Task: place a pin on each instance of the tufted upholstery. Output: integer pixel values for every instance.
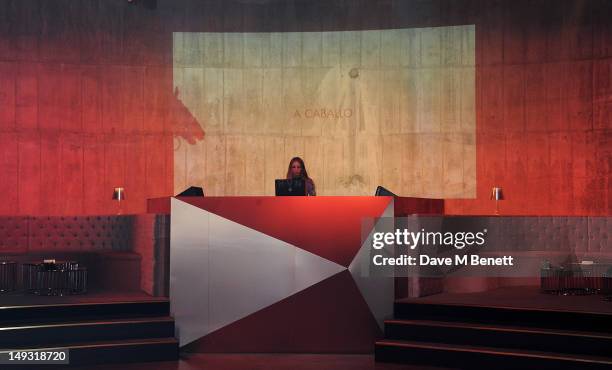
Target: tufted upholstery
(74, 233)
(13, 234)
(600, 229)
(532, 233)
(533, 238)
(81, 233)
(120, 251)
(578, 234)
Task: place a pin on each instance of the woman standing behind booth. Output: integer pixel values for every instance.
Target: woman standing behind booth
(297, 170)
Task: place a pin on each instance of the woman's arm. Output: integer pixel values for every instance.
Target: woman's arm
(310, 188)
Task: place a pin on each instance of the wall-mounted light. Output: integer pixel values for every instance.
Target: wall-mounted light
(119, 195)
(497, 194)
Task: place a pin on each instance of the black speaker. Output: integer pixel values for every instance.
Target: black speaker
(149, 4)
(192, 191)
(382, 192)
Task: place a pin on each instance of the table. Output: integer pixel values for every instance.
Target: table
(576, 278)
(54, 278)
(8, 276)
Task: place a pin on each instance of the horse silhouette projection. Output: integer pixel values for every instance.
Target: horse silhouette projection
(182, 123)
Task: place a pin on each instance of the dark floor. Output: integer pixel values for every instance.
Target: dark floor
(96, 296)
(264, 362)
(518, 297)
(521, 297)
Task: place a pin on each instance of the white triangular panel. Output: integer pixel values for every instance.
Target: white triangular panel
(188, 286)
(378, 291)
(241, 272)
(311, 269)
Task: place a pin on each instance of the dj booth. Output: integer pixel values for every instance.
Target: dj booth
(278, 274)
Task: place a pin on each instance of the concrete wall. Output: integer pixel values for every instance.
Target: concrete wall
(87, 102)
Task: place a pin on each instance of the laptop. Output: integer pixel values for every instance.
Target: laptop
(192, 191)
(383, 192)
(293, 187)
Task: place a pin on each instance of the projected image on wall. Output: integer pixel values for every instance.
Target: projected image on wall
(362, 108)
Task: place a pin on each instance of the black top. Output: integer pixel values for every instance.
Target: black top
(290, 187)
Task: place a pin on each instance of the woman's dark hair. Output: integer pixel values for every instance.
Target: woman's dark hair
(301, 162)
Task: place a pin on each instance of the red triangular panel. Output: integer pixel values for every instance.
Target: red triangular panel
(326, 226)
(329, 317)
